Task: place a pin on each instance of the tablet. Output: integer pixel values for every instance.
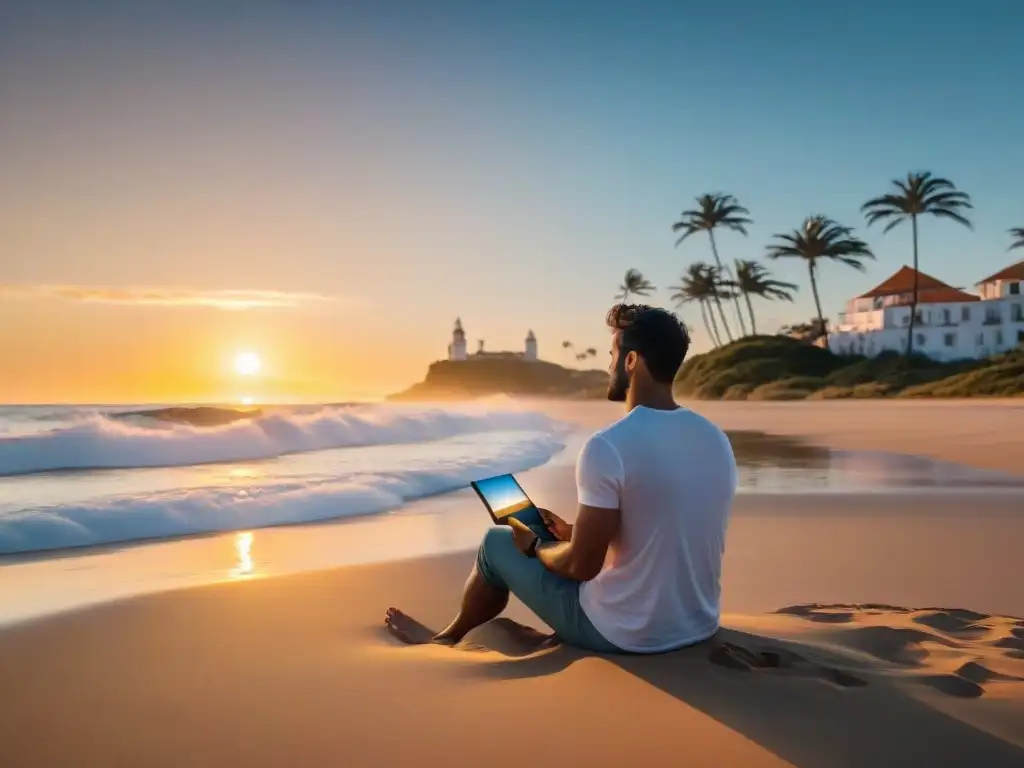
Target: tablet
(505, 498)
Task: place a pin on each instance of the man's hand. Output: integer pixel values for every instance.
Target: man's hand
(558, 528)
(521, 534)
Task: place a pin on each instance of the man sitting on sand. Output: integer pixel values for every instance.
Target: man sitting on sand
(639, 572)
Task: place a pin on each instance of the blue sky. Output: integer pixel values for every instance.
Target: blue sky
(505, 162)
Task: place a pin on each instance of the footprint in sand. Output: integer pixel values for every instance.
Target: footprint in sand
(952, 621)
(953, 685)
(906, 637)
(510, 638)
(826, 614)
(968, 681)
(1014, 644)
(896, 645)
(743, 659)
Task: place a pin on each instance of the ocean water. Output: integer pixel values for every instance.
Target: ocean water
(82, 476)
(73, 477)
(104, 503)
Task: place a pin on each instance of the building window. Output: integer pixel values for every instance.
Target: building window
(906, 319)
(1015, 289)
(980, 341)
(949, 339)
(965, 314)
(1017, 313)
(999, 338)
(947, 317)
(919, 339)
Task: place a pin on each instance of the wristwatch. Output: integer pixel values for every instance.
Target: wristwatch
(531, 551)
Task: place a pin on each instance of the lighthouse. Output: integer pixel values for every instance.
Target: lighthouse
(457, 348)
(531, 347)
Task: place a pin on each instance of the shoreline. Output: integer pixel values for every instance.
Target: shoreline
(280, 654)
(452, 522)
(831, 536)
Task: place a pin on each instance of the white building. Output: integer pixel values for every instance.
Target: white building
(457, 347)
(951, 324)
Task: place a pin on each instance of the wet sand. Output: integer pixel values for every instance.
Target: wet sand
(982, 433)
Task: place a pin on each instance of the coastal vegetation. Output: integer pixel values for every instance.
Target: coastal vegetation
(783, 368)
(458, 380)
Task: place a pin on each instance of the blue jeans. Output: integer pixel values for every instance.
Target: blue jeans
(556, 600)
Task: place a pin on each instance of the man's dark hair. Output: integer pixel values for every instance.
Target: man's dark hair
(656, 334)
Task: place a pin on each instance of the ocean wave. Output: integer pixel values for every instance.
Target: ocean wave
(237, 506)
(103, 441)
(196, 416)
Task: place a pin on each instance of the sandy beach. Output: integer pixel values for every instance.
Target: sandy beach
(861, 630)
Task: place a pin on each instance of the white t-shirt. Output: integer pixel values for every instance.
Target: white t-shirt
(673, 476)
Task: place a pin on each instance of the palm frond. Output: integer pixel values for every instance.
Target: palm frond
(753, 278)
(700, 282)
(1017, 233)
(714, 211)
(920, 193)
(821, 238)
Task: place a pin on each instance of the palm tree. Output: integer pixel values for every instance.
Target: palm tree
(753, 279)
(701, 283)
(1017, 233)
(920, 193)
(634, 282)
(821, 238)
(715, 211)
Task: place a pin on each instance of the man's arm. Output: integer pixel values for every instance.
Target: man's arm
(599, 481)
(582, 557)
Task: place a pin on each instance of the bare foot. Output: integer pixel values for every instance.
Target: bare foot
(407, 629)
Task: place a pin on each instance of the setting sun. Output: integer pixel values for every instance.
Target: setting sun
(247, 364)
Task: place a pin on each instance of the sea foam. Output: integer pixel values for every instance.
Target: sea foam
(100, 441)
(460, 446)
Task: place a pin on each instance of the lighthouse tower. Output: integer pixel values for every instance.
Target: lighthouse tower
(531, 347)
(457, 349)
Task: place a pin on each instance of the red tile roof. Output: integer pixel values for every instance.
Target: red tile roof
(945, 295)
(903, 282)
(937, 296)
(1012, 272)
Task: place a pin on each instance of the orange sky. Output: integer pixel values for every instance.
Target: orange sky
(75, 351)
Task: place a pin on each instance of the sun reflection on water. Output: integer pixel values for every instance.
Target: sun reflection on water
(243, 555)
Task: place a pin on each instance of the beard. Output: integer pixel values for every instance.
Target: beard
(618, 385)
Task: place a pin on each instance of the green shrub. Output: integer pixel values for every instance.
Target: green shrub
(777, 367)
(737, 392)
(1004, 379)
(755, 360)
(873, 389)
(793, 388)
(832, 393)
